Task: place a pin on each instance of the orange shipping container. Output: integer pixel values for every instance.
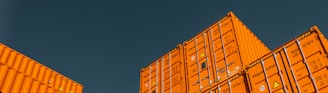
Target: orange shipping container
(165, 75)
(235, 84)
(219, 52)
(300, 66)
(307, 61)
(268, 75)
(21, 74)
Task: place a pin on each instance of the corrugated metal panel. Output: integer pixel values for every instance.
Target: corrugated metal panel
(18, 83)
(268, 74)
(18, 61)
(298, 66)
(147, 78)
(8, 81)
(24, 65)
(198, 62)
(216, 60)
(79, 89)
(50, 90)
(20, 74)
(3, 74)
(219, 52)
(165, 75)
(251, 47)
(68, 86)
(43, 88)
(307, 58)
(235, 84)
(26, 85)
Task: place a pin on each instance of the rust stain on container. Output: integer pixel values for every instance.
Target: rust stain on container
(21, 74)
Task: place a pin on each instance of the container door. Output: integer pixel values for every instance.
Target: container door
(268, 75)
(171, 72)
(307, 61)
(236, 84)
(226, 57)
(149, 78)
(199, 64)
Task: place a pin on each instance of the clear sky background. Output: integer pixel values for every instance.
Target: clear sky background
(104, 43)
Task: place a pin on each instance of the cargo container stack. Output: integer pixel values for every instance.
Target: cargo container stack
(165, 75)
(21, 74)
(220, 52)
(299, 66)
(213, 58)
(227, 57)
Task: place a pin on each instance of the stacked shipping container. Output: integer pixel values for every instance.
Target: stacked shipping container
(165, 75)
(219, 52)
(228, 58)
(20, 74)
(235, 84)
(207, 60)
(300, 66)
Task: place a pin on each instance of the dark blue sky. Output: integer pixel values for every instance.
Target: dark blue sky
(104, 43)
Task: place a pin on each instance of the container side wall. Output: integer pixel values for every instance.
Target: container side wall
(198, 62)
(35, 87)
(219, 52)
(3, 74)
(73, 88)
(172, 72)
(43, 89)
(4, 55)
(41, 73)
(18, 83)
(26, 86)
(20, 74)
(11, 58)
(165, 75)
(235, 84)
(268, 74)
(23, 66)
(253, 47)
(18, 61)
(8, 82)
(68, 86)
(298, 66)
(79, 88)
(308, 60)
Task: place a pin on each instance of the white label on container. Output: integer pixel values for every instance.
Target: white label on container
(193, 58)
(262, 88)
